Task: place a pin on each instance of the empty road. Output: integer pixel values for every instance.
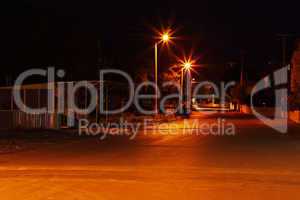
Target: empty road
(255, 162)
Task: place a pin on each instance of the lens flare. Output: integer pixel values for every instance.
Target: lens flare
(165, 37)
(188, 63)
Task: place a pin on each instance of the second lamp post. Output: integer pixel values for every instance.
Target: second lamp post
(164, 38)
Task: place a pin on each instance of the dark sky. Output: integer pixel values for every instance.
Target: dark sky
(73, 35)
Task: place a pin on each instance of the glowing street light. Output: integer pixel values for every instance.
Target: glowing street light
(188, 63)
(187, 66)
(165, 37)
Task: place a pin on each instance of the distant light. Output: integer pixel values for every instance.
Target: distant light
(165, 37)
(187, 66)
(188, 63)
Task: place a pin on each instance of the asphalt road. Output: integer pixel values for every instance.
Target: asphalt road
(254, 163)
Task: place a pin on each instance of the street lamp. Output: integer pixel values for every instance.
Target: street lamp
(164, 38)
(186, 69)
(186, 66)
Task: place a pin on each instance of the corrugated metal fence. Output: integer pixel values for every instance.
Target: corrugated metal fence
(17, 119)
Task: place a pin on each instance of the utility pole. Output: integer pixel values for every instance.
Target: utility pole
(242, 80)
(283, 38)
(242, 74)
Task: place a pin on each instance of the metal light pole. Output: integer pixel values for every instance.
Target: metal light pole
(181, 82)
(186, 67)
(165, 39)
(284, 38)
(156, 78)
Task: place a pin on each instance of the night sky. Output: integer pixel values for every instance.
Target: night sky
(83, 36)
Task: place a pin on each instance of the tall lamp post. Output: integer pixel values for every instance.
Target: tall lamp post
(164, 38)
(186, 69)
